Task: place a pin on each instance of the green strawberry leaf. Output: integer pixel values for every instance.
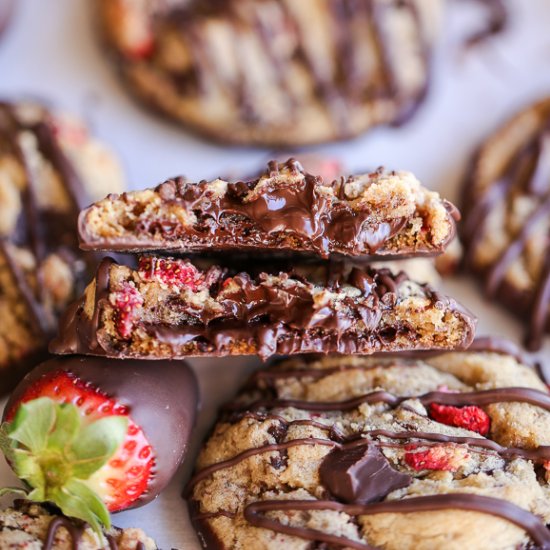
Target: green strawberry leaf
(27, 468)
(90, 498)
(32, 423)
(15, 490)
(73, 505)
(54, 451)
(6, 443)
(67, 425)
(96, 444)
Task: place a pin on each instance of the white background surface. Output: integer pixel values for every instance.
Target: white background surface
(51, 52)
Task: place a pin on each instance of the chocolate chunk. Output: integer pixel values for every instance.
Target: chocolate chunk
(360, 475)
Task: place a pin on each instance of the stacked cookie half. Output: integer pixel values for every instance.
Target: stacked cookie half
(274, 265)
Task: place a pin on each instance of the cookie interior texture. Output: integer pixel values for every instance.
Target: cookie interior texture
(31, 526)
(447, 451)
(507, 207)
(276, 72)
(49, 169)
(174, 308)
(381, 213)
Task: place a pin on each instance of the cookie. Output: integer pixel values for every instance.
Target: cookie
(30, 526)
(275, 72)
(507, 217)
(173, 308)
(50, 168)
(378, 214)
(448, 451)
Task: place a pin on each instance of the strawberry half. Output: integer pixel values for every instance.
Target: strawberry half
(95, 435)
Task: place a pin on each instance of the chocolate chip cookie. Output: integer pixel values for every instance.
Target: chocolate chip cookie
(30, 526)
(507, 217)
(446, 451)
(50, 168)
(275, 72)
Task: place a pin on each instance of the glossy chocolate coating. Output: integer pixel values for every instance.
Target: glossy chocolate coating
(162, 398)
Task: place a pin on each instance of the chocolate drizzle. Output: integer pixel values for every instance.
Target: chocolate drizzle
(525, 175)
(75, 529)
(478, 398)
(75, 532)
(260, 317)
(293, 211)
(354, 470)
(254, 514)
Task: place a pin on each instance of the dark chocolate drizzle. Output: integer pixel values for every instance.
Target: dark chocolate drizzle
(479, 398)
(268, 319)
(451, 501)
(496, 22)
(75, 528)
(527, 173)
(297, 217)
(75, 532)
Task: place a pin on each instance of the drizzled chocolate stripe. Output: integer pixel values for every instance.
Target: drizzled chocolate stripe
(480, 398)
(254, 514)
(75, 534)
(205, 472)
(540, 454)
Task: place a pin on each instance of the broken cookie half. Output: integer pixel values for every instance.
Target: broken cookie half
(287, 210)
(174, 308)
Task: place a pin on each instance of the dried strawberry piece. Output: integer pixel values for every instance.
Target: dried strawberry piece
(171, 272)
(126, 301)
(438, 457)
(140, 50)
(471, 418)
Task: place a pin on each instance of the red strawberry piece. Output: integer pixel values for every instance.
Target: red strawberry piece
(471, 418)
(126, 301)
(438, 457)
(169, 271)
(142, 49)
(106, 435)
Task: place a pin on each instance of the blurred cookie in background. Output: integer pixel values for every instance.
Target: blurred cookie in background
(275, 72)
(7, 7)
(506, 206)
(50, 168)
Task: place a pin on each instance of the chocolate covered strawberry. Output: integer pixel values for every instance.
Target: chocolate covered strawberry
(94, 436)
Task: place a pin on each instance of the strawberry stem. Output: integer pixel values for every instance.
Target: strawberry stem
(55, 452)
